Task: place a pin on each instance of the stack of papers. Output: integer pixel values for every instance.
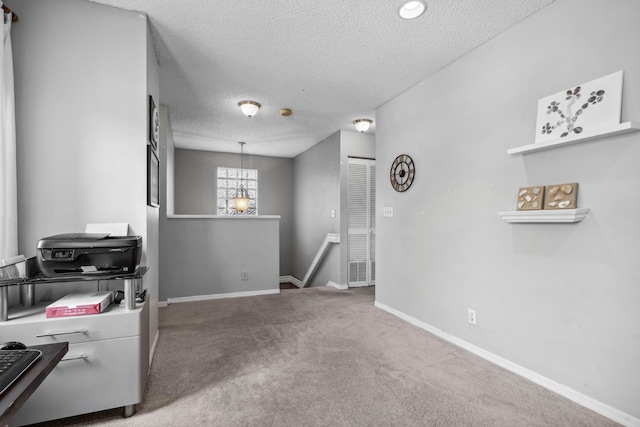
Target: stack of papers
(80, 304)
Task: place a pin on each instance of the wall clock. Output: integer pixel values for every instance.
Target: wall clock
(402, 173)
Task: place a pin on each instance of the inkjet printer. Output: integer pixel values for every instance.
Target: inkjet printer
(87, 253)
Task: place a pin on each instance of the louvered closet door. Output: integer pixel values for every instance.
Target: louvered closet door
(361, 222)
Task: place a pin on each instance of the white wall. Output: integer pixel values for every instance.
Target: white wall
(83, 72)
(152, 279)
(82, 135)
(560, 300)
(167, 168)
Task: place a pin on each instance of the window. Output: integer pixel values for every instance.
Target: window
(229, 180)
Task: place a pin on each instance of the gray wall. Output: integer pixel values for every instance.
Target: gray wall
(206, 256)
(316, 192)
(320, 186)
(82, 75)
(558, 299)
(195, 188)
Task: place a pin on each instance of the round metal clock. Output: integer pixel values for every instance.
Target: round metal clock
(402, 173)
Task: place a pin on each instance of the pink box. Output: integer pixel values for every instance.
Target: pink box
(80, 304)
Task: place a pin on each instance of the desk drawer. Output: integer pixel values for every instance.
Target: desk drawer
(91, 377)
(34, 328)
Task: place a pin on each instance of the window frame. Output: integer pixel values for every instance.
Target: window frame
(248, 178)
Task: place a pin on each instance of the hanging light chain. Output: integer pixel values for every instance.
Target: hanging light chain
(241, 200)
(242, 191)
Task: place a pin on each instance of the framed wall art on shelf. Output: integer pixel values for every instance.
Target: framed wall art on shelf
(550, 203)
(153, 178)
(586, 107)
(578, 114)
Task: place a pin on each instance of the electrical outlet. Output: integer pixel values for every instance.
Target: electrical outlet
(387, 212)
(245, 275)
(472, 316)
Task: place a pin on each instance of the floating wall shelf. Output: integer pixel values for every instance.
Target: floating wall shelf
(576, 138)
(555, 215)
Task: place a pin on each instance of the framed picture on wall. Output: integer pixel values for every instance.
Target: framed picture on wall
(154, 123)
(583, 108)
(153, 178)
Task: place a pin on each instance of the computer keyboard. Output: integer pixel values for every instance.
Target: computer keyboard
(14, 363)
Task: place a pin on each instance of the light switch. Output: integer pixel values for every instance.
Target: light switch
(387, 212)
(333, 213)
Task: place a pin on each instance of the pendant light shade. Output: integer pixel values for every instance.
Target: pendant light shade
(241, 199)
(242, 202)
(362, 125)
(249, 108)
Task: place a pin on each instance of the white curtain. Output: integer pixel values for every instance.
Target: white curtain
(8, 175)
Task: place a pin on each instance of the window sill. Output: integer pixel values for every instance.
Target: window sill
(234, 217)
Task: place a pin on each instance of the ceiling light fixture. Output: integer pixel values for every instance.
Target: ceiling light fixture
(412, 9)
(285, 112)
(249, 108)
(241, 199)
(362, 125)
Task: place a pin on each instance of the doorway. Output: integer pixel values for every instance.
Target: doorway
(361, 226)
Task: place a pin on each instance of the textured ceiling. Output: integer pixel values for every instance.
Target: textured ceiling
(330, 61)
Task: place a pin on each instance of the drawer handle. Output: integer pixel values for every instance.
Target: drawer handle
(53, 334)
(82, 356)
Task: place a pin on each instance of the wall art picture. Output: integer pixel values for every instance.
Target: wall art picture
(154, 123)
(582, 108)
(530, 198)
(561, 196)
(153, 178)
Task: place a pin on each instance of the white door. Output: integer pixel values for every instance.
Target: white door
(361, 222)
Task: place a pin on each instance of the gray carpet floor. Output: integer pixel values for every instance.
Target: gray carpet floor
(325, 357)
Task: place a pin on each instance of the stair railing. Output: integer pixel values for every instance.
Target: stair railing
(324, 247)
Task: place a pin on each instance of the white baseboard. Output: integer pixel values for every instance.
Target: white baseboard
(162, 303)
(219, 296)
(292, 280)
(571, 394)
(153, 349)
(337, 286)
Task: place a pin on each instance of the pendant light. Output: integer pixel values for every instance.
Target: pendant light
(242, 198)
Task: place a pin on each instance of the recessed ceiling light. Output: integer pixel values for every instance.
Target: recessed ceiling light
(412, 9)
